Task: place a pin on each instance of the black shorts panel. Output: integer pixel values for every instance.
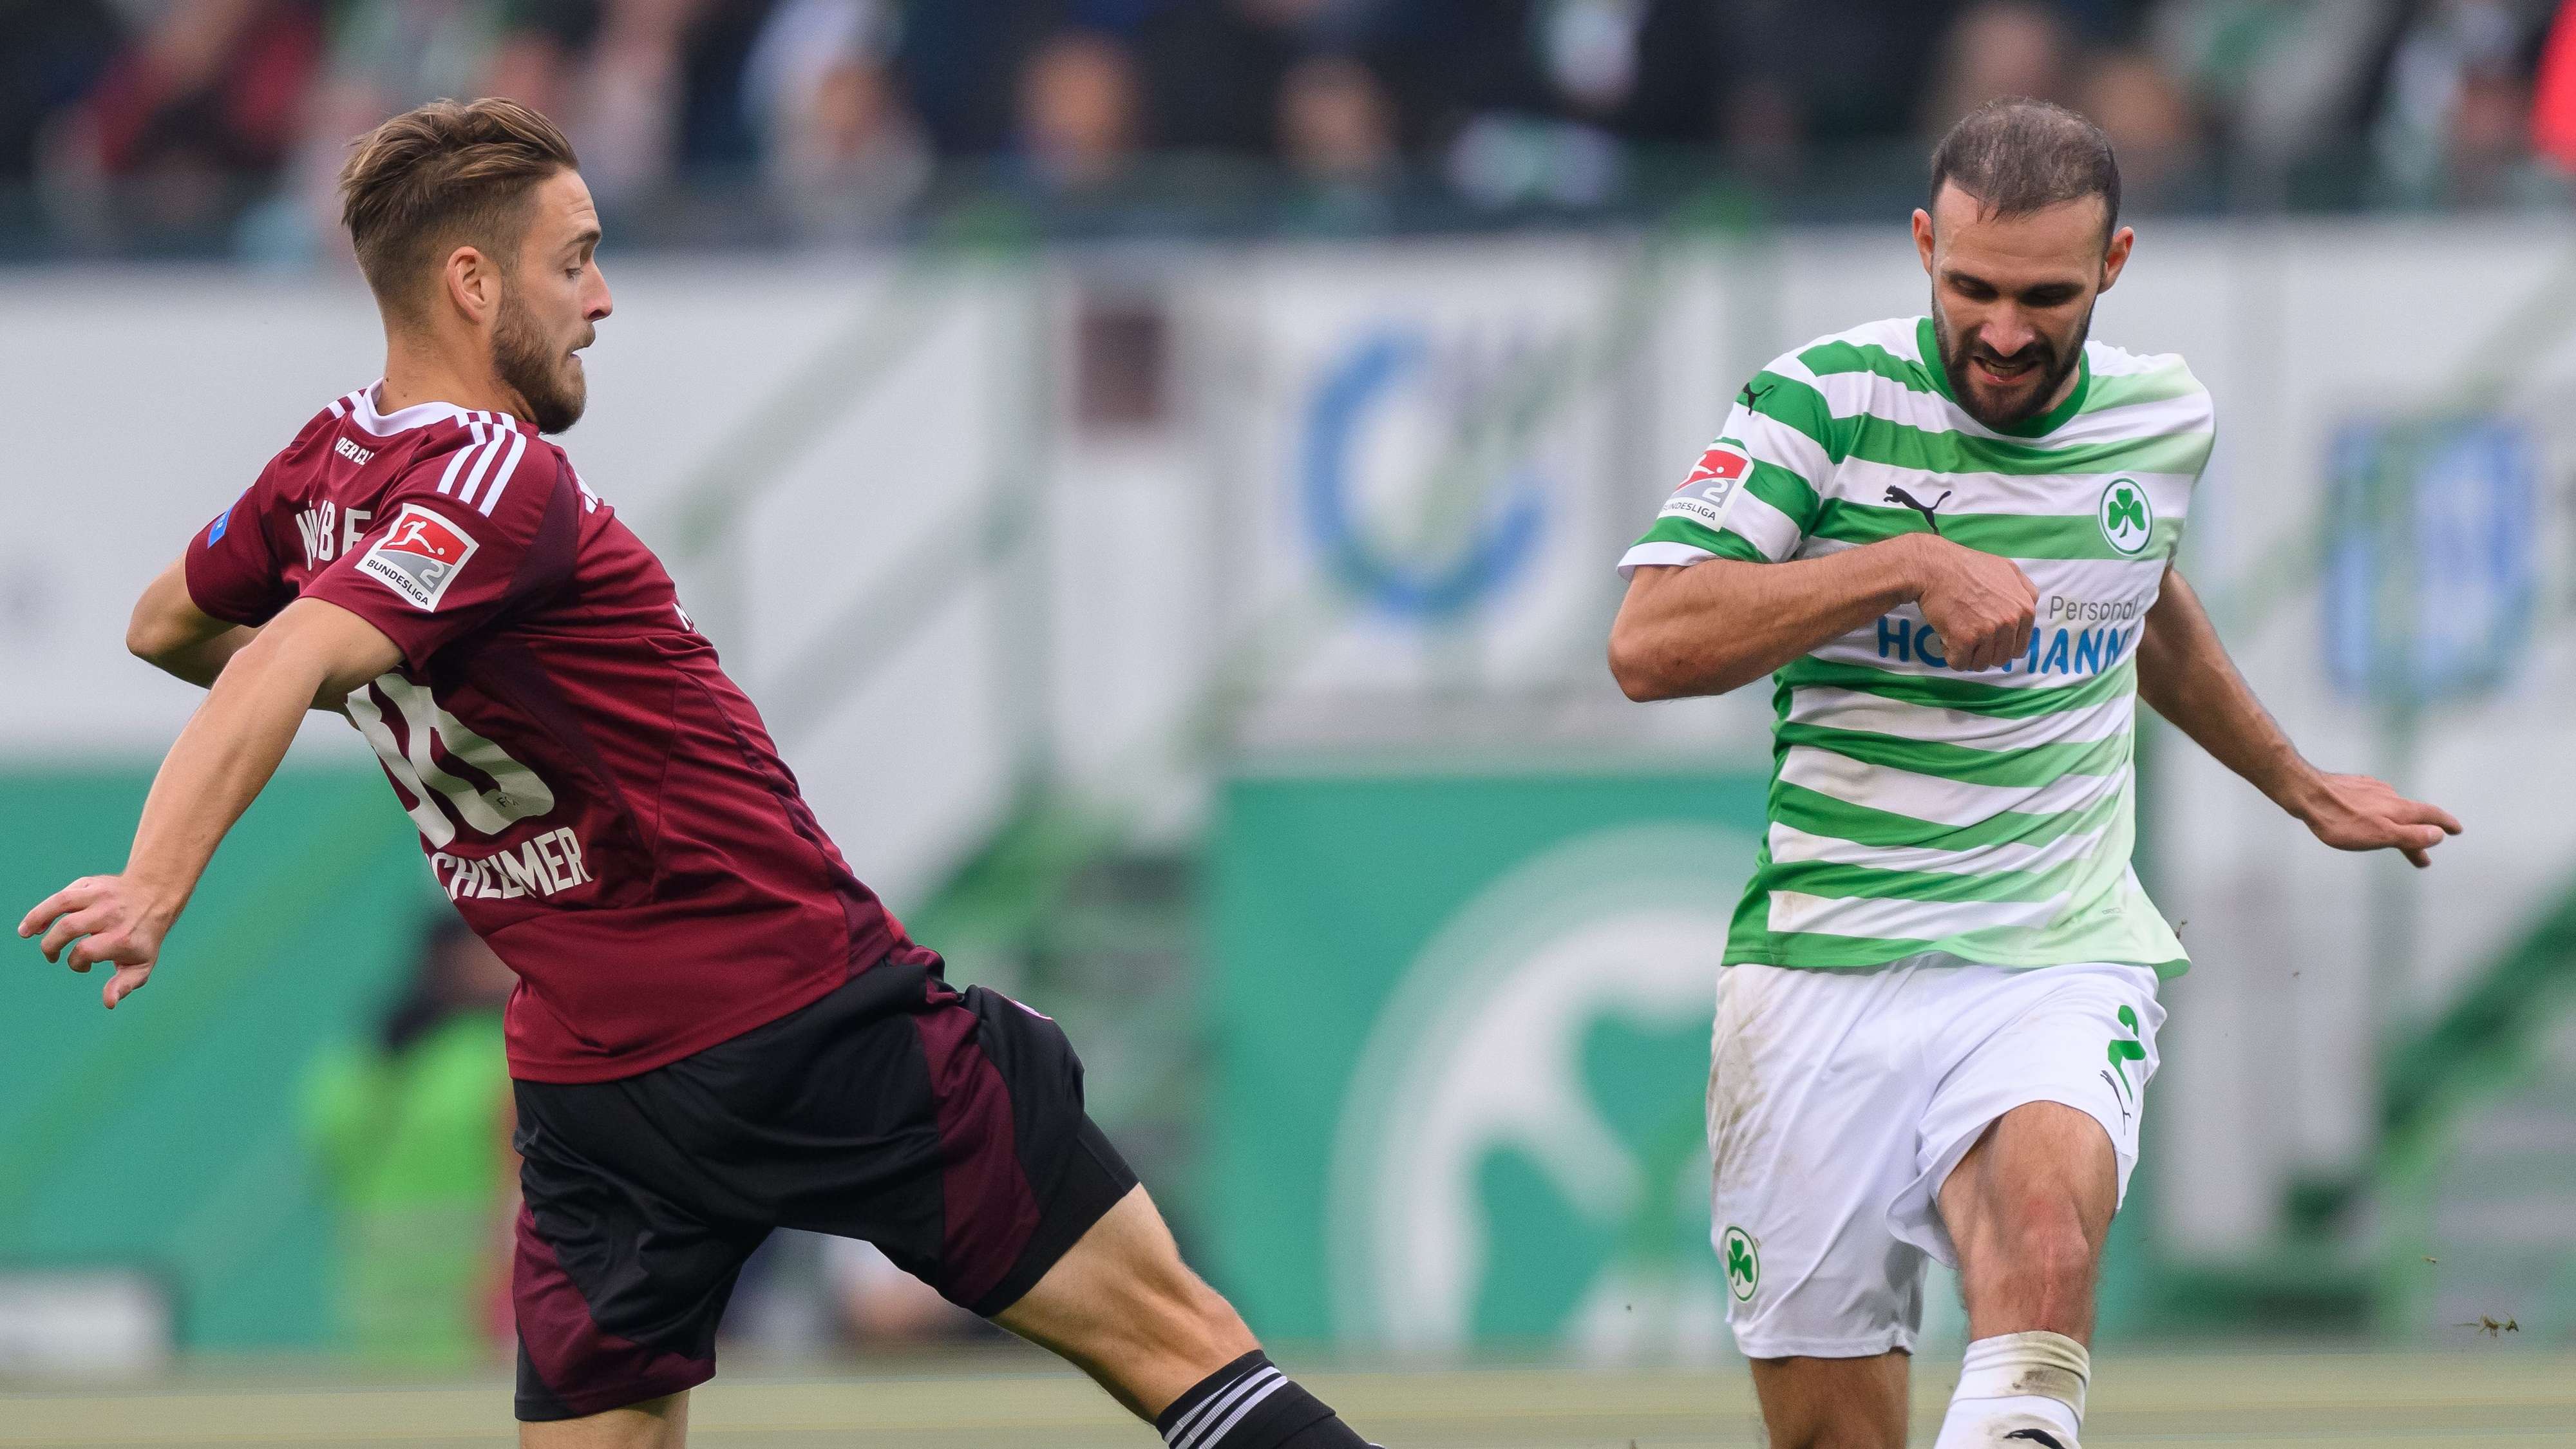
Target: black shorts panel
(947, 1128)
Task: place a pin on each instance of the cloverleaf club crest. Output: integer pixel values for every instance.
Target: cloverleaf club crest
(1743, 1263)
(2128, 520)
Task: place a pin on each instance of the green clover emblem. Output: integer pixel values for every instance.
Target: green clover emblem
(2128, 519)
(1743, 1264)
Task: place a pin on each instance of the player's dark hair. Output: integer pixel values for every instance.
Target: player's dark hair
(2017, 156)
(443, 175)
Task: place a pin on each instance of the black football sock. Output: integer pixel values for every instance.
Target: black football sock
(1250, 1404)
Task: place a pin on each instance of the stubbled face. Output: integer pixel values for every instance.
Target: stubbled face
(552, 301)
(2012, 298)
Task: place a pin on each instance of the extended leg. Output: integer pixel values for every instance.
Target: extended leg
(2028, 1208)
(1125, 1309)
(1833, 1403)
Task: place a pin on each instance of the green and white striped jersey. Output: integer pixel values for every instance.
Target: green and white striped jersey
(1917, 808)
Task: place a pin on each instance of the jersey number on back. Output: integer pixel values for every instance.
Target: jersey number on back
(516, 793)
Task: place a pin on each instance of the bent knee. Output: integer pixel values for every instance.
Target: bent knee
(2046, 1237)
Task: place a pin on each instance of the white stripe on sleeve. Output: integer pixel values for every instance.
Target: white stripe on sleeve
(1660, 553)
(501, 475)
(456, 460)
(483, 461)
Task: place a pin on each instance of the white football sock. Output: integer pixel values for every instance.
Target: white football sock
(2015, 1387)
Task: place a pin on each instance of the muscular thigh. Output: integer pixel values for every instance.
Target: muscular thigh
(2028, 1209)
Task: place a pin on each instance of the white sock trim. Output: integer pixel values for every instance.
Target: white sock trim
(1187, 1433)
(2032, 1365)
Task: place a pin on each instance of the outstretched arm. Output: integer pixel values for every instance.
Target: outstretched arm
(2185, 675)
(221, 762)
(1708, 627)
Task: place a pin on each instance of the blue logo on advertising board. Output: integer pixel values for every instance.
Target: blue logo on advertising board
(2430, 571)
(1498, 542)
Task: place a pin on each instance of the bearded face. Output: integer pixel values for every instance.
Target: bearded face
(2013, 296)
(2002, 389)
(539, 363)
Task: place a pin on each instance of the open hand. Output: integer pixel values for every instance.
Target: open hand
(109, 918)
(2356, 812)
(1981, 605)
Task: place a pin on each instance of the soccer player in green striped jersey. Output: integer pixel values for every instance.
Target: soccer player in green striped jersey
(1950, 540)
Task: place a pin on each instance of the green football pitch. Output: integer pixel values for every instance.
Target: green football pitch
(2481, 1393)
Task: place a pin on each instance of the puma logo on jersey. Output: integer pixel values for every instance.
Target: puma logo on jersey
(1899, 495)
(355, 454)
(419, 556)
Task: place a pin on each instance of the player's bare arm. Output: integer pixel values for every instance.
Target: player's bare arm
(1709, 627)
(2185, 675)
(219, 765)
(169, 632)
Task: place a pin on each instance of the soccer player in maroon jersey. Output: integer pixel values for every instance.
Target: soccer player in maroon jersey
(717, 1029)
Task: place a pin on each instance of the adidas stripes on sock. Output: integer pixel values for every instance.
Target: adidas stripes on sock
(1250, 1404)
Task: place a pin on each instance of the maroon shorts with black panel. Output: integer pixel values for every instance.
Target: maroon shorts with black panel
(946, 1128)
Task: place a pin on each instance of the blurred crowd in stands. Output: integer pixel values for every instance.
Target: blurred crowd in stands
(842, 113)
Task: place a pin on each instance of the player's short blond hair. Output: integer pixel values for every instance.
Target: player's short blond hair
(440, 176)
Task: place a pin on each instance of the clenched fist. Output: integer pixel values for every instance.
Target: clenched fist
(1980, 605)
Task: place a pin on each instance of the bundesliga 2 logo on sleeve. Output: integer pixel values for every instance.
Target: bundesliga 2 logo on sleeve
(419, 556)
(1703, 495)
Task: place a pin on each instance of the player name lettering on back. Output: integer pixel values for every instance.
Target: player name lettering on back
(544, 866)
(329, 530)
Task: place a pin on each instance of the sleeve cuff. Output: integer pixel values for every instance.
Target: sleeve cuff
(379, 609)
(1660, 553)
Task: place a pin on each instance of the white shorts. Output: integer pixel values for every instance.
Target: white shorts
(1839, 1102)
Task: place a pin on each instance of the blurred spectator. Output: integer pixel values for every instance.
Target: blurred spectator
(1337, 123)
(1079, 109)
(962, 65)
(205, 102)
(2453, 113)
(2553, 109)
(1790, 75)
(1518, 95)
(2280, 79)
(1999, 48)
(538, 55)
(385, 56)
(137, 118)
(410, 1133)
(2148, 119)
(1214, 69)
(52, 52)
(626, 109)
(843, 151)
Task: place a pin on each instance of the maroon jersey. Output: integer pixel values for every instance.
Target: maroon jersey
(602, 804)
